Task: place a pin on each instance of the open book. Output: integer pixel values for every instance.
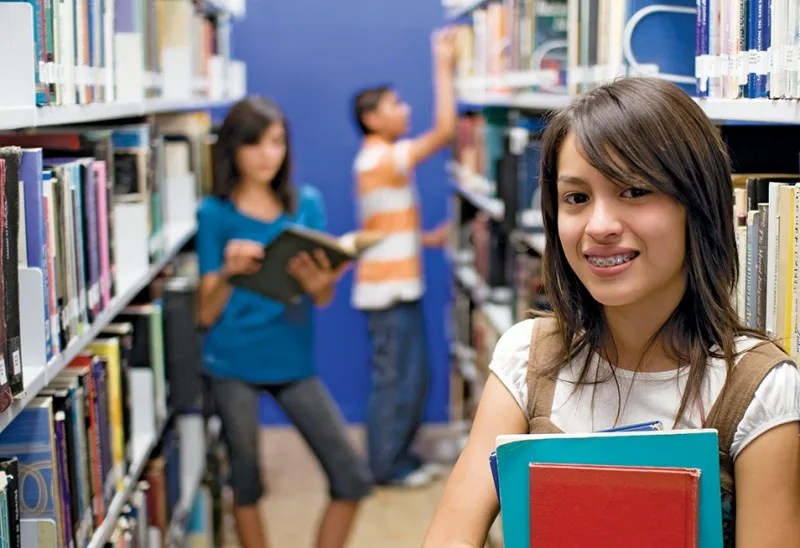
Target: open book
(273, 279)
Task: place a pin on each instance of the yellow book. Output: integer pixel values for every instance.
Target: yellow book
(108, 349)
(785, 265)
(795, 274)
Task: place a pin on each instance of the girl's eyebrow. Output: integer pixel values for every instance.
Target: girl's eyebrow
(571, 179)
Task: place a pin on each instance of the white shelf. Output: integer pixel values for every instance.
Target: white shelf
(464, 7)
(470, 280)
(236, 8)
(527, 100)
(531, 219)
(473, 187)
(499, 315)
(535, 241)
(12, 118)
(36, 376)
(508, 81)
(783, 111)
(106, 529)
(30, 117)
(177, 526)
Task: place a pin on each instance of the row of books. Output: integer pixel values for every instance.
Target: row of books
(70, 199)
(730, 50)
(748, 49)
(576, 44)
(768, 235)
(90, 51)
(504, 152)
(515, 35)
(77, 441)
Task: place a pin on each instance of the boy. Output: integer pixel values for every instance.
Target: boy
(388, 279)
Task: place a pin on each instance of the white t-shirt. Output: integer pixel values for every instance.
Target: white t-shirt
(641, 397)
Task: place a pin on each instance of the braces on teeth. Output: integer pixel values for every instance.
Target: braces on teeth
(611, 261)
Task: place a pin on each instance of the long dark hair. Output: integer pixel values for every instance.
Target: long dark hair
(245, 124)
(648, 129)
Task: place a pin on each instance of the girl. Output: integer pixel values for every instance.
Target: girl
(640, 268)
(255, 344)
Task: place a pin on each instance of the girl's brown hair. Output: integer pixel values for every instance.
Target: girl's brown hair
(245, 124)
(648, 129)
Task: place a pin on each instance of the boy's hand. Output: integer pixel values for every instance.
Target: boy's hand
(438, 237)
(443, 43)
(242, 257)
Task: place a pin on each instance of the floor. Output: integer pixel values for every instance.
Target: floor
(390, 518)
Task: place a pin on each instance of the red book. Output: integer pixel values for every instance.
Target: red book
(577, 506)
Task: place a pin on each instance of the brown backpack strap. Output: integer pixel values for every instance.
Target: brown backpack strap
(730, 407)
(541, 386)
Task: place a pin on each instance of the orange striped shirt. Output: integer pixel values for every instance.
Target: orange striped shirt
(391, 271)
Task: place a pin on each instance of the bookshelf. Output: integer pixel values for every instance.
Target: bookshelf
(131, 67)
(501, 81)
(103, 533)
(33, 117)
(475, 189)
(767, 111)
(462, 8)
(180, 517)
(37, 376)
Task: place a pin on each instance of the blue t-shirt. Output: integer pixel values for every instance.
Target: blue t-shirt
(256, 339)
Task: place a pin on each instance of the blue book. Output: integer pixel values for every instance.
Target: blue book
(31, 439)
(30, 171)
(638, 427)
(674, 448)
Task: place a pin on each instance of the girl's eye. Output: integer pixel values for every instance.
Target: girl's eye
(575, 198)
(635, 192)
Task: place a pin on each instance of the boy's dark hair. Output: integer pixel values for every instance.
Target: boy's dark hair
(245, 124)
(366, 101)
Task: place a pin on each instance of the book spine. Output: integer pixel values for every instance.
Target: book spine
(12, 156)
(91, 245)
(63, 478)
(31, 169)
(761, 273)
(751, 308)
(761, 45)
(6, 397)
(11, 468)
(701, 48)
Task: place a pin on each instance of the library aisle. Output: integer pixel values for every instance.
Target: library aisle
(156, 343)
(391, 518)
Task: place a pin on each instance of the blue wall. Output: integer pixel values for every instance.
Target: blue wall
(310, 56)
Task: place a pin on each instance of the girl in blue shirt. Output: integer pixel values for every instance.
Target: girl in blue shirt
(255, 344)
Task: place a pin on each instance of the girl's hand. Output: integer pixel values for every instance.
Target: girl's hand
(242, 257)
(315, 275)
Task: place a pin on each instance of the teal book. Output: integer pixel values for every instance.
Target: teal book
(673, 448)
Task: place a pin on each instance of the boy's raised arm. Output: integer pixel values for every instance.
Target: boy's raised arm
(444, 123)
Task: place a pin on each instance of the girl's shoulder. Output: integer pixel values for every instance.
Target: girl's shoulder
(308, 196)
(211, 207)
(510, 358)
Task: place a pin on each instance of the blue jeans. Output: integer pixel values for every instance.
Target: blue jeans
(399, 385)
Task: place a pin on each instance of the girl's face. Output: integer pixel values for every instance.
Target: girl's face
(261, 161)
(625, 243)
